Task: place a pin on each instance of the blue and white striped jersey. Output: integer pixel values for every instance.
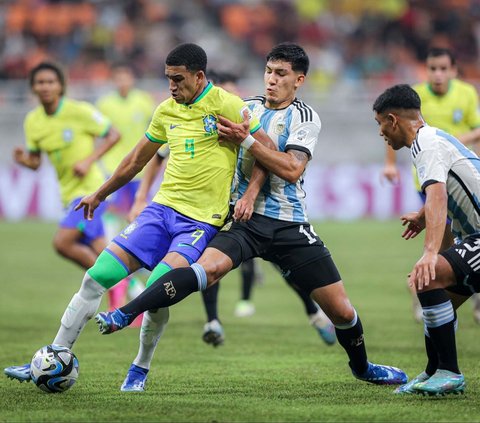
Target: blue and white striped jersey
(440, 157)
(294, 127)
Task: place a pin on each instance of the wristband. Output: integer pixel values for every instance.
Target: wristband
(248, 142)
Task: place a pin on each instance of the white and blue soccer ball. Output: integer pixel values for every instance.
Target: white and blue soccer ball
(54, 368)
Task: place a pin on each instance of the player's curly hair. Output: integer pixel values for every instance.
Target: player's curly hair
(401, 96)
(190, 55)
(291, 53)
(49, 66)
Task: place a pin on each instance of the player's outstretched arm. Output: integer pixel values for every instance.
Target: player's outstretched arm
(244, 206)
(286, 165)
(133, 163)
(141, 197)
(390, 169)
(29, 159)
(82, 167)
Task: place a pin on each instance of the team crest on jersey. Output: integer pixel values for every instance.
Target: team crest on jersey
(457, 115)
(301, 135)
(67, 135)
(210, 124)
(421, 173)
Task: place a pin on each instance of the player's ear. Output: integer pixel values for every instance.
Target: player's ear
(392, 119)
(300, 80)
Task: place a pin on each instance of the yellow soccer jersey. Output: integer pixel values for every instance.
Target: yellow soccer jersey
(131, 116)
(67, 137)
(456, 112)
(199, 173)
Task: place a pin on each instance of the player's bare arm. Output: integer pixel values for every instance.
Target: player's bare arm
(141, 196)
(82, 167)
(133, 163)
(390, 169)
(289, 165)
(29, 159)
(435, 216)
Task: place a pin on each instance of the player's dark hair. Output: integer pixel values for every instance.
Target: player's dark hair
(192, 56)
(291, 53)
(440, 51)
(222, 77)
(400, 96)
(48, 66)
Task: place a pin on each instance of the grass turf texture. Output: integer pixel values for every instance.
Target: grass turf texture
(273, 366)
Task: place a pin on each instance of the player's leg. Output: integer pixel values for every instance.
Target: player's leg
(307, 263)
(111, 266)
(316, 316)
(213, 332)
(245, 307)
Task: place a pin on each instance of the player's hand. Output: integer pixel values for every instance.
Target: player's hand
(19, 155)
(81, 168)
(243, 209)
(136, 209)
(415, 225)
(89, 204)
(231, 131)
(423, 271)
(391, 173)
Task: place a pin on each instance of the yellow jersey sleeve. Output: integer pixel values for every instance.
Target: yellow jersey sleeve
(472, 115)
(156, 130)
(233, 108)
(32, 146)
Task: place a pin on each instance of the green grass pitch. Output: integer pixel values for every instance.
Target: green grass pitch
(273, 366)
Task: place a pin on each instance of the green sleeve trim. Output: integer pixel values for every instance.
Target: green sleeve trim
(153, 139)
(252, 131)
(107, 129)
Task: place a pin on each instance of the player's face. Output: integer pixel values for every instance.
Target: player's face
(46, 86)
(390, 130)
(184, 85)
(281, 83)
(124, 80)
(439, 73)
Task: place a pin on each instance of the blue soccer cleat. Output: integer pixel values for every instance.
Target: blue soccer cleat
(135, 380)
(443, 382)
(213, 333)
(382, 375)
(408, 387)
(112, 321)
(20, 373)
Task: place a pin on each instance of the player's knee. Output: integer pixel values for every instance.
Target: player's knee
(60, 245)
(342, 314)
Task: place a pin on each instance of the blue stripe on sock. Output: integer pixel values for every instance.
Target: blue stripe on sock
(201, 276)
(117, 259)
(438, 315)
(349, 324)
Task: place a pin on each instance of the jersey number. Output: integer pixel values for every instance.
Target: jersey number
(190, 147)
(197, 235)
(311, 236)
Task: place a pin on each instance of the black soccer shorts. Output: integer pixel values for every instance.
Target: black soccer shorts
(465, 261)
(294, 247)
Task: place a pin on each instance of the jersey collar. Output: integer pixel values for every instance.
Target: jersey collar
(205, 91)
(437, 95)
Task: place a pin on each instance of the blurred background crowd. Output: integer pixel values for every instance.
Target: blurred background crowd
(354, 40)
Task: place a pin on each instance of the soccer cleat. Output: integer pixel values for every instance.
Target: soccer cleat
(135, 379)
(443, 382)
(21, 373)
(244, 308)
(382, 375)
(408, 387)
(213, 333)
(112, 321)
(324, 327)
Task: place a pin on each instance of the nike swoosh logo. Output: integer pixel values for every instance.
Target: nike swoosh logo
(174, 126)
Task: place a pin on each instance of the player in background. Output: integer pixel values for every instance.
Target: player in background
(66, 130)
(449, 175)
(130, 110)
(176, 227)
(278, 230)
(452, 105)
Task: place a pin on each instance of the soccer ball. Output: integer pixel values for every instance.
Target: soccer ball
(54, 368)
